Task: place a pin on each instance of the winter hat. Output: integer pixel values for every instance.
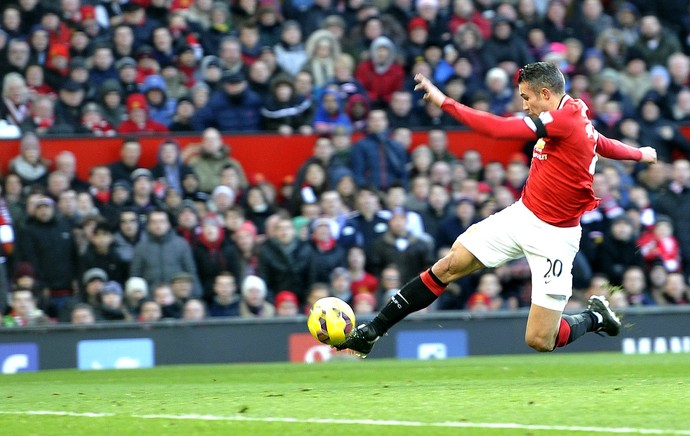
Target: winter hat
(253, 282)
(134, 284)
(112, 287)
(286, 296)
(136, 101)
(94, 274)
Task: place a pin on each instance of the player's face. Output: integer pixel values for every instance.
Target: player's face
(532, 102)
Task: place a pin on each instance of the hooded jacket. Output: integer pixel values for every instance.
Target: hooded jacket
(381, 80)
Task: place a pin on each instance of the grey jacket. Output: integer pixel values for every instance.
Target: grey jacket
(158, 259)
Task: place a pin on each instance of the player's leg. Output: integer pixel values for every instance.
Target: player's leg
(415, 295)
(548, 329)
(551, 258)
(488, 243)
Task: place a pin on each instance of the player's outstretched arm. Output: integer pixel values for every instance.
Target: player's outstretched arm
(648, 155)
(481, 122)
(431, 92)
(615, 149)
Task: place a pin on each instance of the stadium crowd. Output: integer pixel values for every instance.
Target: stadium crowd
(195, 237)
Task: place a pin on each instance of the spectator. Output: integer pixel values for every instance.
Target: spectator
(15, 105)
(103, 65)
(182, 285)
(225, 301)
(659, 132)
(110, 99)
(463, 216)
(315, 292)
(364, 304)
(401, 112)
(674, 202)
(57, 65)
(366, 223)
(184, 113)
(330, 114)
(381, 75)
(24, 310)
(93, 120)
(284, 260)
(162, 253)
(486, 297)
(136, 292)
(286, 304)
(635, 287)
(290, 52)
(213, 253)
(213, 156)
(143, 198)
(30, 166)
(437, 208)
(163, 295)
(127, 76)
(161, 105)
(284, 111)
(112, 307)
(127, 234)
(170, 169)
(194, 310)
(257, 207)
(655, 43)
(92, 282)
(42, 116)
(618, 251)
(150, 312)
(377, 160)
(245, 239)
(48, 245)
(253, 303)
(505, 46)
(101, 253)
(232, 108)
(323, 51)
(139, 120)
(674, 292)
(82, 314)
(399, 247)
(327, 253)
(16, 57)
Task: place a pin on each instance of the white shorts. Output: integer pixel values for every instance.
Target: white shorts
(515, 232)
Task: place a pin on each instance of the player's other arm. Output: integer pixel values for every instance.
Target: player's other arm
(614, 149)
(481, 122)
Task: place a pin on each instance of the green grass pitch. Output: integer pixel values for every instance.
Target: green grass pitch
(503, 395)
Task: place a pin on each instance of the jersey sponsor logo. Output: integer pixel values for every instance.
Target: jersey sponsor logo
(539, 150)
(18, 357)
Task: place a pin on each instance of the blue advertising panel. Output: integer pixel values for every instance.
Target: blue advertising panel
(18, 357)
(115, 353)
(431, 344)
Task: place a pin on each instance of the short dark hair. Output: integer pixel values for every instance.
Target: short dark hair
(539, 75)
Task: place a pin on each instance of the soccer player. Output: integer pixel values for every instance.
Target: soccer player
(543, 225)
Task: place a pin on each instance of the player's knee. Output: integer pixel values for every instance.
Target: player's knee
(539, 343)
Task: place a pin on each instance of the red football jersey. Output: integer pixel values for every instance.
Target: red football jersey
(559, 185)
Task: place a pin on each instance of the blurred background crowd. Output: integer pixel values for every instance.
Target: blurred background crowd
(195, 236)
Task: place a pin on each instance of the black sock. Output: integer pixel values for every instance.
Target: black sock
(580, 324)
(413, 296)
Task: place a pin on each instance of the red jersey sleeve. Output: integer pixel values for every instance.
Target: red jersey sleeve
(614, 149)
(488, 124)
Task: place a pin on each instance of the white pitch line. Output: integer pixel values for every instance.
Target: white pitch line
(385, 423)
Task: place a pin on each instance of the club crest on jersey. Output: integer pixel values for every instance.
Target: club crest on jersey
(538, 150)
